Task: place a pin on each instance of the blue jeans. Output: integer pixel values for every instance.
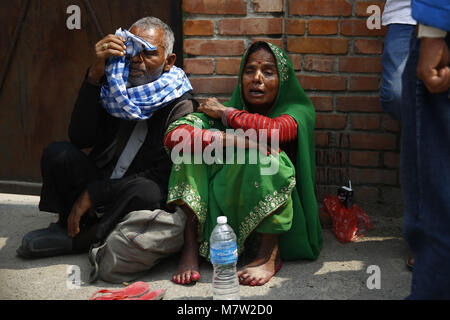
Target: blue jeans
(425, 177)
(396, 53)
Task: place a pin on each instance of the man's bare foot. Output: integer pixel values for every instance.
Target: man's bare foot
(266, 264)
(188, 270)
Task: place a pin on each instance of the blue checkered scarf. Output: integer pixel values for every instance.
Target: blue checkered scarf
(139, 103)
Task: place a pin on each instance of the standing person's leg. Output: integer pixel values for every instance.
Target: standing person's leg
(396, 52)
(428, 231)
(399, 59)
(65, 173)
(408, 148)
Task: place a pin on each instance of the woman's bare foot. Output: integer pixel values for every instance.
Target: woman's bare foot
(188, 269)
(266, 264)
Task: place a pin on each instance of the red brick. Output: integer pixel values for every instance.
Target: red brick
(320, 7)
(321, 139)
(268, 5)
(296, 60)
(374, 141)
(228, 65)
(365, 122)
(392, 159)
(358, 103)
(276, 41)
(251, 26)
(331, 121)
(198, 66)
(368, 46)
(318, 45)
(340, 140)
(364, 158)
(215, 6)
(360, 64)
(359, 28)
(329, 157)
(214, 85)
(364, 83)
(391, 124)
(365, 194)
(322, 64)
(373, 176)
(322, 103)
(198, 28)
(328, 83)
(322, 27)
(329, 176)
(361, 7)
(214, 47)
(295, 26)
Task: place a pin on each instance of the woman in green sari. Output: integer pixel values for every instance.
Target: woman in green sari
(274, 209)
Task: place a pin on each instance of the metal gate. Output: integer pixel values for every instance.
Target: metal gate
(43, 60)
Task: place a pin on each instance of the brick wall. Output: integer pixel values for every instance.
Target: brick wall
(338, 63)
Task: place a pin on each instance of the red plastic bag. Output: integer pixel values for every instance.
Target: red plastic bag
(349, 224)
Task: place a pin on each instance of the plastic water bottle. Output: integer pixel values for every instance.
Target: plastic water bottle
(223, 252)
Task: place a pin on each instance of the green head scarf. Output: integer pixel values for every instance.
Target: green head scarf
(292, 100)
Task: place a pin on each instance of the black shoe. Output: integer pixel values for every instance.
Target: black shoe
(48, 242)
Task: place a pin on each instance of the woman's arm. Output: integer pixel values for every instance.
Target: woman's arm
(236, 119)
(190, 136)
(285, 124)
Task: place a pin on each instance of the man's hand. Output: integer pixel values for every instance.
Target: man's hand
(79, 208)
(433, 68)
(212, 107)
(109, 46)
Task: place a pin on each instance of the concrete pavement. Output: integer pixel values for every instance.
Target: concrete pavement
(343, 271)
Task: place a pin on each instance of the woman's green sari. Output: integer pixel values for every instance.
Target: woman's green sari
(281, 203)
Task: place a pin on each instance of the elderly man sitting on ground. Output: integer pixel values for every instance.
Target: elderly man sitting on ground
(130, 94)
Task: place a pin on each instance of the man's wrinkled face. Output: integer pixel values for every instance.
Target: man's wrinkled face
(147, 66)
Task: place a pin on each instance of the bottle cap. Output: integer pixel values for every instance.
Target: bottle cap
(222, 220)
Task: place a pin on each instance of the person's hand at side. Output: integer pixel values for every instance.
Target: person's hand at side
(433, 68)
(109, 46)
(79, 208)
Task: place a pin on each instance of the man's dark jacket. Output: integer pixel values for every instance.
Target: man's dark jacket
(92, 127)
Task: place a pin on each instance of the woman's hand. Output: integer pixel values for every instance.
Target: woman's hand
(212, 107)
(109, 46)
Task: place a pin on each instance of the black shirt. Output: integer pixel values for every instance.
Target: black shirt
(92, 127)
